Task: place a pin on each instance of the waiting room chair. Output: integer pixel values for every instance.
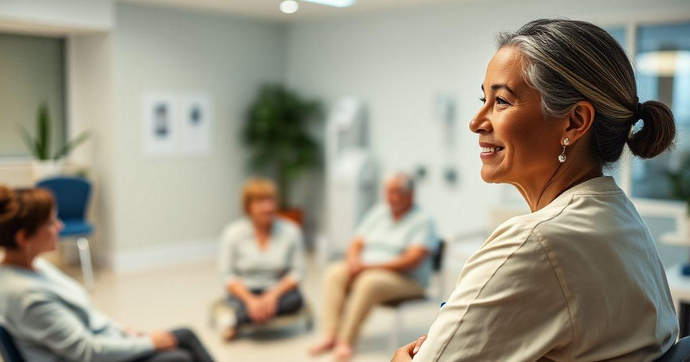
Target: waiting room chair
(8, 350)
(433, 295)
(72, 197)
(680, 352)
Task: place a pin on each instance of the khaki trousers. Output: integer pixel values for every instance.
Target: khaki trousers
(368, 289)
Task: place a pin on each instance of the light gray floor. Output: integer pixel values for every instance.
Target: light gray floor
(181, 296)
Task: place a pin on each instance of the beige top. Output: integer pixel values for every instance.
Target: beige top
(579, 280)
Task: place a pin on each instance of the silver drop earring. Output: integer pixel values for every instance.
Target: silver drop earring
(562, 157)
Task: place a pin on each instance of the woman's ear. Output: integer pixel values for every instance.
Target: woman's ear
(578, 121)
(21, 239)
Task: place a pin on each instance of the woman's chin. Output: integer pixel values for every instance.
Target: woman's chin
(489, 175)
(53, 246)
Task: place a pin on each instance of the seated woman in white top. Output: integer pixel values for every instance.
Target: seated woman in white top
(49, 315)
(261, 260)
(578, 279)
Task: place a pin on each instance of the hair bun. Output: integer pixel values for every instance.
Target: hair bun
(658, 133)
(9, 205)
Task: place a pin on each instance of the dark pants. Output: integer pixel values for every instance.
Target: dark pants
(289, 303)
(189, 349)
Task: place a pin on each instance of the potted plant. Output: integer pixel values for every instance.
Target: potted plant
(47, 164)
(277, 132)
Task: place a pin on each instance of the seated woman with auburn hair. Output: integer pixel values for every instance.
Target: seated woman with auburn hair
(261, 260)
(49, 315)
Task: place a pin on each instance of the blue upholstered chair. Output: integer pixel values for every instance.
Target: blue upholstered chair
(72, 195)
(8, 350)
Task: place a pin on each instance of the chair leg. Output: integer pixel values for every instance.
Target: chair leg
(85, 259)
(394, 341)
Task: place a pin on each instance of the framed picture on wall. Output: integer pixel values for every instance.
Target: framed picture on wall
(195, 124)
(177, 124)
(160, 125)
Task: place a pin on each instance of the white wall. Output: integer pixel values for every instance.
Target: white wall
(183, 201)
(89, 74)
(400, 60)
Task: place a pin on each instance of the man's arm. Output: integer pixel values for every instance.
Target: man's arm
(410, 259)
(355, 250)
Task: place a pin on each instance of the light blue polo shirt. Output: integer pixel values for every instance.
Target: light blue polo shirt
(386, 239)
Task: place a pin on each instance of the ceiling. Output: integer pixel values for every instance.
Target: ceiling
(268, 9)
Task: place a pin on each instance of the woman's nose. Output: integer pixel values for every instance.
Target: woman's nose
(480, 123)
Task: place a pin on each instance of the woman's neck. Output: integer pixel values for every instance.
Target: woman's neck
(262, 229)
(19, 258)
(541, 193)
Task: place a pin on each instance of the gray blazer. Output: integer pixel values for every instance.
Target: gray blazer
(51, 319)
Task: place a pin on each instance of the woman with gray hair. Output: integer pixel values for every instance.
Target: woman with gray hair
(579, 278)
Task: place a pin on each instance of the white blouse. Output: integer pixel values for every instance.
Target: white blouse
(242, 259)
(579, 280)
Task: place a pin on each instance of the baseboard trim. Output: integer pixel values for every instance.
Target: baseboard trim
(164, 255)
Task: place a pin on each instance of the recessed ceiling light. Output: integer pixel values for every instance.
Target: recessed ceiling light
(289, 6)
(336, 3)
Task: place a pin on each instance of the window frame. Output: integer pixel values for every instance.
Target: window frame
(14, 161)
(677, 210)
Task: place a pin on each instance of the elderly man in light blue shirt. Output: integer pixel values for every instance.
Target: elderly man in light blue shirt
(388, 260)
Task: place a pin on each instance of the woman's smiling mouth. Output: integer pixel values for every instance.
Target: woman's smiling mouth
(489, 150)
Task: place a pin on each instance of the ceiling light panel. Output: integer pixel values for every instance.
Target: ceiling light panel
(335, 3)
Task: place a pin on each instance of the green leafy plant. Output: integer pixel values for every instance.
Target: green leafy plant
(277, 131)
(680, 181)
(40, 145)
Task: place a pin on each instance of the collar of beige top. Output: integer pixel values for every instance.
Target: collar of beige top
(597, 185)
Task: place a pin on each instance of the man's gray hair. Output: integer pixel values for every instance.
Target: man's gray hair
(404, 180)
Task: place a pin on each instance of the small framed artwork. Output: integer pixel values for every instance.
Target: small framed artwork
(160, 125)
(195, 124)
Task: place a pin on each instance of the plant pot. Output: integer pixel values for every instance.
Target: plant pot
(45, 169)
(294, 214)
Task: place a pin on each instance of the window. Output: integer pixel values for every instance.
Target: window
(662, 62)
(32, 70)
(663, 73)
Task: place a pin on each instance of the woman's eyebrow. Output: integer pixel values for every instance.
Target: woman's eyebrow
(500, 86)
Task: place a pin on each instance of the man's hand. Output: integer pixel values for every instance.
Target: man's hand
(355, 267)
(407, 352)
(353, 258)
(163, 341)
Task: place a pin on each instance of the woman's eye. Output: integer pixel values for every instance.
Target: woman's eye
(482, 99)
(500, 100)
